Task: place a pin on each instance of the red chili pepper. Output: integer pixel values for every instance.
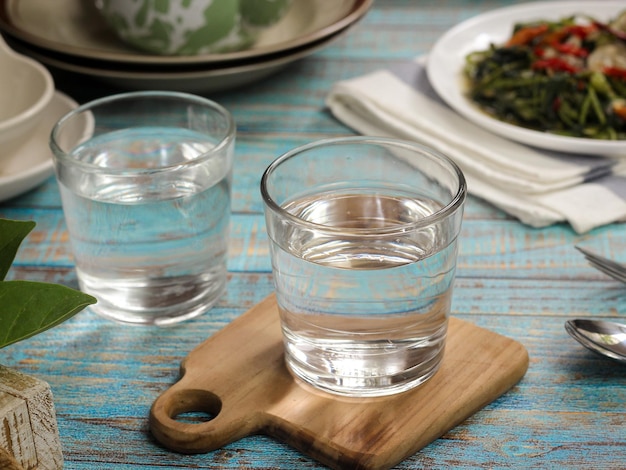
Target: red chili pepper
(570, 49)
(582, 31)
(526, 34)
(554, 64)
(616, 72)
(556, 103)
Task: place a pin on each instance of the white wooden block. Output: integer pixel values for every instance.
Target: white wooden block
(28, 427)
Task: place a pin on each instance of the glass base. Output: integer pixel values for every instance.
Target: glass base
(375, 372)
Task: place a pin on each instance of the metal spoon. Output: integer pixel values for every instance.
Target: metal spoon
(602, 337)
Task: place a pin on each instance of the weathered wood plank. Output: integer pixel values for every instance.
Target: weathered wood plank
(493, 249)
(521, 282)
(104, 361)
(28, 426)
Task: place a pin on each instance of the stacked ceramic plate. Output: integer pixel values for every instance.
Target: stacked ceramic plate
(71, 36)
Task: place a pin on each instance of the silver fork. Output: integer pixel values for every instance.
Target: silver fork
(607, 266)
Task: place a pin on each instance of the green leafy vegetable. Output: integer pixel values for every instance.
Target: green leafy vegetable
(566, 77)
(26, 307)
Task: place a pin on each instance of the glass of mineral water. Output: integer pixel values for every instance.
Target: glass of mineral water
(145, 181)
(363, 236)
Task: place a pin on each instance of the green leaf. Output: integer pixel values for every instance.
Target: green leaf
(12, 233)
(28, 308)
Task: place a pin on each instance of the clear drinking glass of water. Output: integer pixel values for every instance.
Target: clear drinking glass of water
(145, 180)
(363, 236)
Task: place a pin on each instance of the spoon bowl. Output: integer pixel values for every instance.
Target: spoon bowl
(602, 337)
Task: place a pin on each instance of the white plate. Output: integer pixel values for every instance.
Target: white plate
(447, 58)
(59, 26)
(199, 80)
(31, 164)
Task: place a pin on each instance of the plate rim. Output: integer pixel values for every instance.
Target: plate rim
(442, 76)
(18, 182)
(182, 73)
(356, 10)
(204, 80)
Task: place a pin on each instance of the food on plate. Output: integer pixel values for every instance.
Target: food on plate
(566, 77)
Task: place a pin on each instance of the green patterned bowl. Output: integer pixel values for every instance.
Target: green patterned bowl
(262, 13)
(191, 27)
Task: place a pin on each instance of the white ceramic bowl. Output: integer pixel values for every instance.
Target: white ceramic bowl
(27, 89)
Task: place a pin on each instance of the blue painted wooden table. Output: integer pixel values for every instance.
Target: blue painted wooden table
(569, 409)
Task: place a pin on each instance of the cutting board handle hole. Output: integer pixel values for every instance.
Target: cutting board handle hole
(194, 406)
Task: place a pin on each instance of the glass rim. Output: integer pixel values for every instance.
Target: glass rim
(63, 156)
(447, 210)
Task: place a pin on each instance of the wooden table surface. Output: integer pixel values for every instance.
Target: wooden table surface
(569, 409)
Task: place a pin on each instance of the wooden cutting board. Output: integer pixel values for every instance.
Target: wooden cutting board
(238, 378)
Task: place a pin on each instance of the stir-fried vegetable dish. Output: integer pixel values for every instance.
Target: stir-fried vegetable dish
(566, 77)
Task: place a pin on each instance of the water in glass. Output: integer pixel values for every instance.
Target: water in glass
(149, 248)
(364, 315)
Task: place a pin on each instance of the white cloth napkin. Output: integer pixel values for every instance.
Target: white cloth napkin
(538, 187)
